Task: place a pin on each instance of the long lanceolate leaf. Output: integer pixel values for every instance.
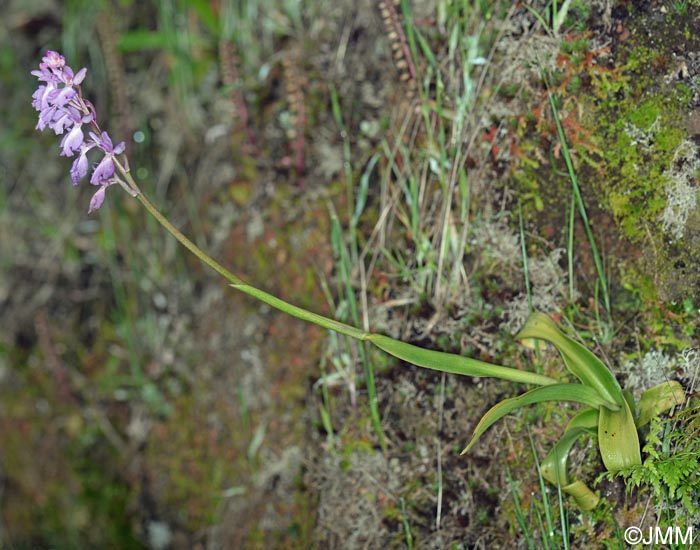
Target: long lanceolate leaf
(581, 362)
(436, 360)
(455, 364)
(556, 392)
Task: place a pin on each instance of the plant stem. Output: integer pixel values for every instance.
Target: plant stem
(175, 232)
(237, 282)
(443, 362)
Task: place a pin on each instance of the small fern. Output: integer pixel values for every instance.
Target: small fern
(672, 461)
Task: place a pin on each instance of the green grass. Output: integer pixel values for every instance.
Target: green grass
(602, 283)
(348, 259)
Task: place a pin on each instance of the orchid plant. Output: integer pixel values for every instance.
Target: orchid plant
(610, 414)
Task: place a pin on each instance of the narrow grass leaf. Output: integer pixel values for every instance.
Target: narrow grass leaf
(581, 206)
(518, 509)
(361, 198)
(427, 52)
(406, 526)
(548, 532)
(138, 40)
(206, 14)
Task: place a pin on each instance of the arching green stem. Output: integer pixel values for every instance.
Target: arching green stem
(444, 362)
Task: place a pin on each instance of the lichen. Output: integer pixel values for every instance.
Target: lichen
(653, 369)
(681, 193)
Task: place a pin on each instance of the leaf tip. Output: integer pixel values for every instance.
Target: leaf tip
(466, 449)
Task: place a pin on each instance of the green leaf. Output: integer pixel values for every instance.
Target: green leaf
(586, 420)
(618, 440)
(436, 360)
(554, 467)
(658, 399)
(582, 495)
(580, 361)
(630, 402)
(455, 364)
(556, 392)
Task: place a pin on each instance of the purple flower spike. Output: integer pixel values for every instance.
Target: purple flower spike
(80, 165)
(104, 142)
(61, 97)
(79, 77)
(41, 97)
(79, 169)
(62, 108)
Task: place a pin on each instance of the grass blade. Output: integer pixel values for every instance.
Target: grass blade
(581, 207)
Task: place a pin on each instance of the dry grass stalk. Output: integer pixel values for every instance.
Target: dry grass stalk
(400, 50)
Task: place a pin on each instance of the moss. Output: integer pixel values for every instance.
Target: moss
(639, 145)
(625, 115)
(639, 129)
(189, 465)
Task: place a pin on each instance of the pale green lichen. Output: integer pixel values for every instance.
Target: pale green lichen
(654, 368)
(681, 192)
(643, 138)
(690, 365)
(657, 366)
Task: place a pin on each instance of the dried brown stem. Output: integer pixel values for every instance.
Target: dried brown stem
(401, 52)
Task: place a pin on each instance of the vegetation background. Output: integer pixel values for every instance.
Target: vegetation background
(397, 166)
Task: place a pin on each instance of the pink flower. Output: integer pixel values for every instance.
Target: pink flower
(62, 108)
